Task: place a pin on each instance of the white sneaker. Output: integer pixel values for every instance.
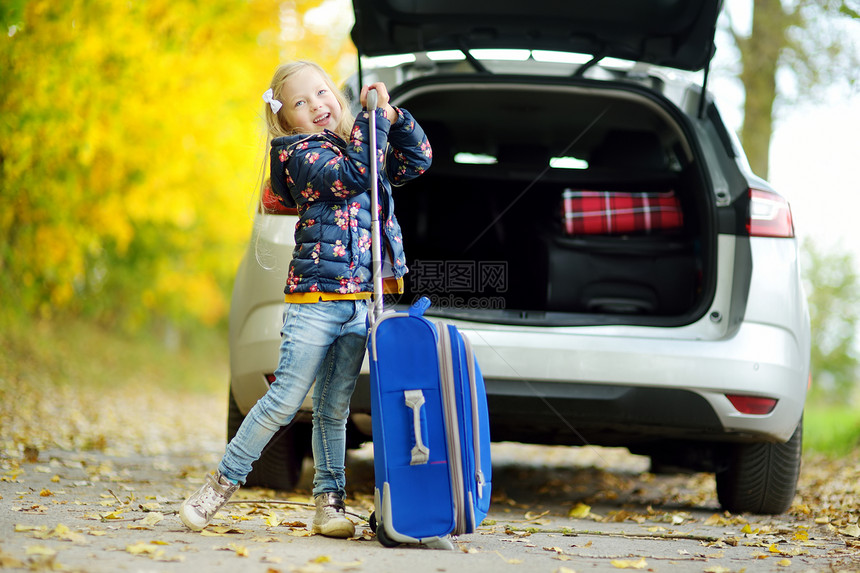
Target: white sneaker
(330, 519)
(201, 506)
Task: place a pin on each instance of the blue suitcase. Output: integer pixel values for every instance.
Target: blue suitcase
(431, 438)
(431, 431)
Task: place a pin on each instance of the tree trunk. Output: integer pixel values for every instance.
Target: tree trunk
(759, 59)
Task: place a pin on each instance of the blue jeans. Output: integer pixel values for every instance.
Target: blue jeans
(322, 341)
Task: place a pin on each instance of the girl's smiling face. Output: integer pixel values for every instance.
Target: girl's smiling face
(310, 106)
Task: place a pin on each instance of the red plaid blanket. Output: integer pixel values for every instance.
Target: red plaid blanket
(617, 212)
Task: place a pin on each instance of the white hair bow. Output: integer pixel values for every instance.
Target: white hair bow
(269, 99)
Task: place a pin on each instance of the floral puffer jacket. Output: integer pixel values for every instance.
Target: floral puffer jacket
(327, 179)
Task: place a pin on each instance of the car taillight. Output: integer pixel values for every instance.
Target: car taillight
(276, 209)
(770, 215)
(271, 204)
(756, 405)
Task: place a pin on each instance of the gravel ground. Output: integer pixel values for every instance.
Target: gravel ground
(92, 483)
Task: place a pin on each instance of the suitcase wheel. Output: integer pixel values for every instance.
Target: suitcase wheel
(384, 539)
(380, 532)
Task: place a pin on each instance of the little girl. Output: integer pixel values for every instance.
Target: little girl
(320, 164)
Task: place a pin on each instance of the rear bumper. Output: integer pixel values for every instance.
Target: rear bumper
(652, 386)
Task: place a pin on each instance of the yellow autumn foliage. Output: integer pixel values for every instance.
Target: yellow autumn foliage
(131, 145)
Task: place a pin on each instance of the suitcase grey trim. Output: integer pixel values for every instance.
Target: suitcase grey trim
(384, 518)
(455, 451)
(376, 323)
(471, 506)
(476, 425)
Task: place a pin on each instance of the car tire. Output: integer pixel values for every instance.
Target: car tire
(761, 478)
(280, 465)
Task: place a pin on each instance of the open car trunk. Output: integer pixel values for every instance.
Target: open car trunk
(495, 231)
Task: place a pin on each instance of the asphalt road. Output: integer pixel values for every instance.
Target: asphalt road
(555, 510)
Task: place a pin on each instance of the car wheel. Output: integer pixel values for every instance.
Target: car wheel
(761, 478)
(280, 465)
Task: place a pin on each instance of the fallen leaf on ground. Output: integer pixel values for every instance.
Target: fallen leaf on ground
(801, 508)
(509, 561)
(308, 568)
(220, 530)
(629, 563)
(152, 518)
(144, 548)
(112, 514)
(8, 560)
(579, 511)
(32, 509)
(240, 550)
(63, 533)
(39, 550)
(19, 528)
(794, 552)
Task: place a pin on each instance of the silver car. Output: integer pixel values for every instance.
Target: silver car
(593, 227)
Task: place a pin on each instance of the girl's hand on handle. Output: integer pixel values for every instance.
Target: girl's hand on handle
(382, 94)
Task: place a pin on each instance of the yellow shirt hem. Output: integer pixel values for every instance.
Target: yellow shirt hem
(389, 286)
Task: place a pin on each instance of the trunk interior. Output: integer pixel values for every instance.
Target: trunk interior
(490, 230)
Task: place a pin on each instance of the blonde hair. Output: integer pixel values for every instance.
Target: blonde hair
(275, 122)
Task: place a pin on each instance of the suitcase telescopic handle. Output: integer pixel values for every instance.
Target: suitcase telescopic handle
(375, 233)
(420, 451)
